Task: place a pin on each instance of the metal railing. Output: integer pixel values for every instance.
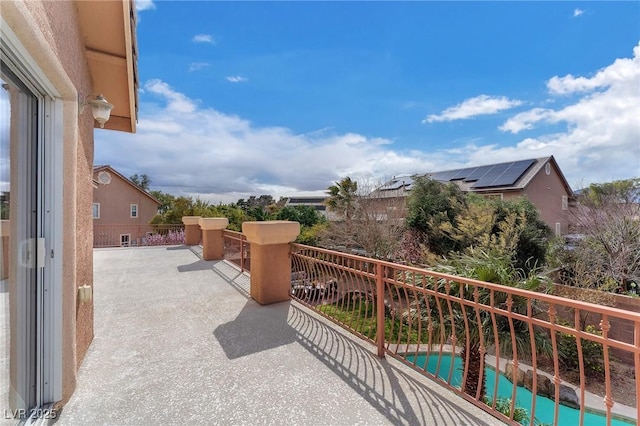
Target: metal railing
(122, 235)
(237, 249)
(468, 334)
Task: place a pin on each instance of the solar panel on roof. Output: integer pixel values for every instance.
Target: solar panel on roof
(477, 173)
(395, 185)
(487, 179)
(513, 173)
(459, 174)
(445, 176)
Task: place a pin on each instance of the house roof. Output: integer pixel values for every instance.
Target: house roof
(97, 169)
(306, 200)
(317, 202)
(508, 176)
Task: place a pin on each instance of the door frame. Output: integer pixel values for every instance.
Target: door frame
(49, 326)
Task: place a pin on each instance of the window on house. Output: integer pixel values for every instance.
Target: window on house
(547, 169)
(96, 210)
(125, 240)
(134, 210)
(558, 229)
(565, 202)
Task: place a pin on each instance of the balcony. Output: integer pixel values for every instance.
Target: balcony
(180, 338)
(179, 341)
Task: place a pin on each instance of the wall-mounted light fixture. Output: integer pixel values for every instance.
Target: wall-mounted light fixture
(100, 107)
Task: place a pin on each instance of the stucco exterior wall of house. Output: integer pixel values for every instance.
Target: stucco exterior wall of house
(49, 31)
(115, 201)
(546, 192)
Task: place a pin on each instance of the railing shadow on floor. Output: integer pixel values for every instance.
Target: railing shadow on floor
(180, 247)
(381, 384)
(237, 279)
(198, 265)
(401, 398)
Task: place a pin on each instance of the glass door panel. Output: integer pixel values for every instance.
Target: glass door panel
(19, 269)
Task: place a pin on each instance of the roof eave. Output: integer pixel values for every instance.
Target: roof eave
(108, 30)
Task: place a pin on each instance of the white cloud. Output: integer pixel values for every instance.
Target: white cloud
(144, 5)
(203, 152)
(480, 105)
(190, 150)
(203, 38)
(176, 102)
(198, 66)
(526, 120)
(602, 137)
(237, 79)
(577, 12)
(621, 71)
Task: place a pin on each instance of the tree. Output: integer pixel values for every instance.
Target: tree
(343, 198)
(258, 213)
(307, 216)
(509, 228)
(235, 215)
(143, 181)
(532, 232)
(263, 201)
(431, 204)
(475, 330)
(165, 199)
(608, 215)
(367, 225)
(312, 223)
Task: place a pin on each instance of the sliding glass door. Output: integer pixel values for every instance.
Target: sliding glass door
(22, 249)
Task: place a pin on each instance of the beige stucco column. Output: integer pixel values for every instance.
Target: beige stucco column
(212, 240)
(270, 261)
(191, 230)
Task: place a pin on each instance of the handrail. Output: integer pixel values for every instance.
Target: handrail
(415, 314)
(131, 235)
(235, 243)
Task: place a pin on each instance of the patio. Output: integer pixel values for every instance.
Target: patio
(179, 341)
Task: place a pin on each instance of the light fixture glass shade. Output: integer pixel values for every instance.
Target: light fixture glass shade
(101, 109)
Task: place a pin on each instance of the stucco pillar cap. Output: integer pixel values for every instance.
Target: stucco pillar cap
(191, 220)
(271, 232)
(213, 223)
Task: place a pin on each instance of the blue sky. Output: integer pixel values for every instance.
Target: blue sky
(284, 98)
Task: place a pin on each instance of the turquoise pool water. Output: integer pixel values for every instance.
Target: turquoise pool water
(544, 406)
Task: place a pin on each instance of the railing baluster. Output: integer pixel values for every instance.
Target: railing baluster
(468, 306)
(380, 309)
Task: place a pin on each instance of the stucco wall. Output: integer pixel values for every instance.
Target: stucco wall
(620, 329)
(115, 201)
(50, 33)
(546, 192)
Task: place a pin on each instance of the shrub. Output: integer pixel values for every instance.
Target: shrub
(168, 238)
(592, 353)
(520, 415)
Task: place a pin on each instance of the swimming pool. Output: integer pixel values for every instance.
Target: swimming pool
(544, 406)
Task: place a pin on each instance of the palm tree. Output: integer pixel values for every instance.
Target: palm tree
(342, 197)
(473, 329)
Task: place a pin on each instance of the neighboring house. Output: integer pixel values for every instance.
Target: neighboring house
(55, 57)
(121, 209)
(538, 179)
(317, 203)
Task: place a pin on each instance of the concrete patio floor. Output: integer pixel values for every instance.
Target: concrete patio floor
(179, 341)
